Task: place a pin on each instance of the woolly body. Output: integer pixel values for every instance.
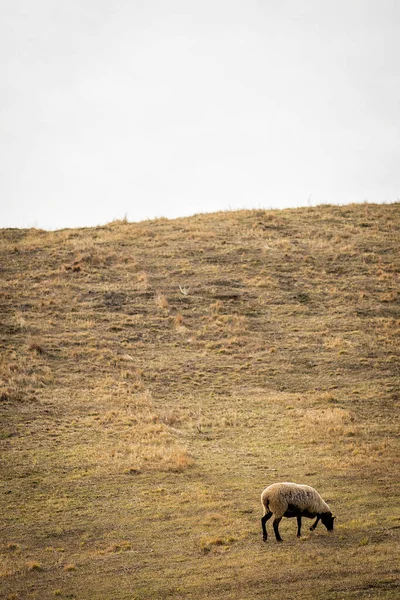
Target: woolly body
(293, 500)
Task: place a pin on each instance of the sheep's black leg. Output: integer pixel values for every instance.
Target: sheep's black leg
(298, 525)
(276, 530)
(313, 526)
(263, 522)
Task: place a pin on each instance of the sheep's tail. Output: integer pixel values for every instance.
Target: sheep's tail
(265, 503)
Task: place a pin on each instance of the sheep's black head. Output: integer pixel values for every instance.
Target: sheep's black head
(327, 519)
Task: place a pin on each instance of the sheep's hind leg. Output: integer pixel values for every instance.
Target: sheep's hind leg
(263, 522)
(298, 525)
(275, 525)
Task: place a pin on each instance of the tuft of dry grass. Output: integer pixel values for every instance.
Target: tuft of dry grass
(161, 301)
(217, 544)
(33, 565)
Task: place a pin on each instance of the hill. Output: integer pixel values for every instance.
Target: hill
(156, 376)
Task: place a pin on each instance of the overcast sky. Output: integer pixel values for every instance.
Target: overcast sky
(146, 108)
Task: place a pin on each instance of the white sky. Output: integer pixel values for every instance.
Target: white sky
(145, 108)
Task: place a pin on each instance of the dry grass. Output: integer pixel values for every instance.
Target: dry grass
(155, 377)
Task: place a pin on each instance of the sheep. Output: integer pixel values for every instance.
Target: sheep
(293, 500)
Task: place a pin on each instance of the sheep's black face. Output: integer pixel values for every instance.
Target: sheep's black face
(327, 520)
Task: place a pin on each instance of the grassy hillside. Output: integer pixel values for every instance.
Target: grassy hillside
(157, 376)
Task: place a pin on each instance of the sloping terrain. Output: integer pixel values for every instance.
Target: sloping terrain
(157, 376)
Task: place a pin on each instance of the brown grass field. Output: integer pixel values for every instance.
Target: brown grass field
(157, 376)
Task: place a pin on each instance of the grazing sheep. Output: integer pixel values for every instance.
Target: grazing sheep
(293, 500)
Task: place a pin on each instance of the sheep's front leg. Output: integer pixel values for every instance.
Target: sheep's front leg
(313, 526)
(275, 525)
(298, 525)
(263, 525)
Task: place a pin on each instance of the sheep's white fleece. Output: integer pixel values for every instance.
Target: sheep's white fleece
(277, 497)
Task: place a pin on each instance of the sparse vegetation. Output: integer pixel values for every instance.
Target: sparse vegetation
(156, 377)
